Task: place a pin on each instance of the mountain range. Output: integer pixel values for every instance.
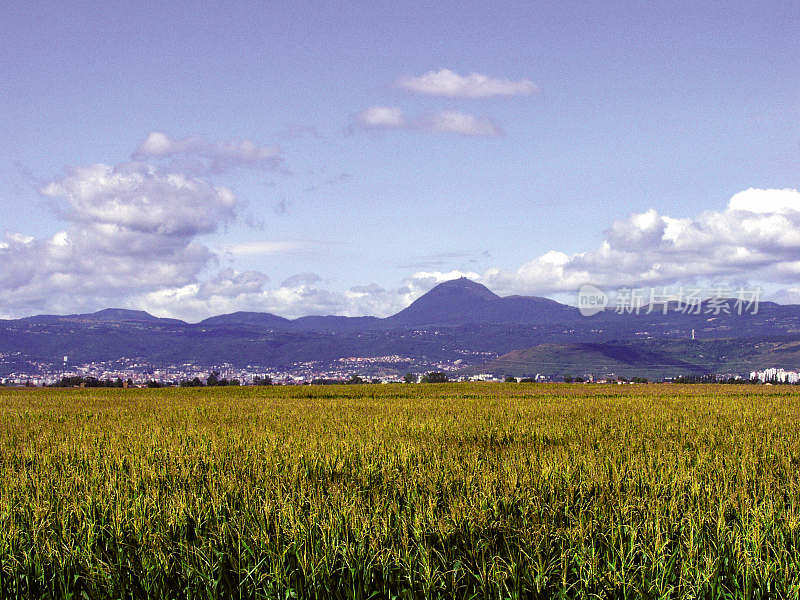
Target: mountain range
(458, 320)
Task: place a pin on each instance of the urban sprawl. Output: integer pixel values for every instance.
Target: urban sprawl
(376, 369)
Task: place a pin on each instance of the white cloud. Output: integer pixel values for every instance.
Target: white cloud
(446, 121)
(132, 237)
(196, 154)
(94, 266)
(757, 237)
(264, 247)
(766, 201)
(131, 229)
(300, 295)
(140, 198)
(744, 241)
(381, 117)
(451, 121)
(452, 85)
(19, 238)
(159, 144)
(231, 291)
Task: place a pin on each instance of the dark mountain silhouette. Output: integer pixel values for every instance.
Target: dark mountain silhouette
(107, 315)
(452, 303)
(456, 301)
(463, 302)
(336, 323)
(456, 320)
(256, 319)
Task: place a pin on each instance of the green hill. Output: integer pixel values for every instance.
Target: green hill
(649, 358)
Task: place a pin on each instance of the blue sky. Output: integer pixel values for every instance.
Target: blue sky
(374, 149)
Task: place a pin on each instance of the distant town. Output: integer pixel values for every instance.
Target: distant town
(138, 372)
(133, 372)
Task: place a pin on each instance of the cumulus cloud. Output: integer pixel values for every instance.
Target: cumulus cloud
(756, 237)
(475, 85)
(140, 198)
(230, 291)
(446, 121)
(300, 295)
(195, 153)
(94, 265)
(132, 236)
(775, 201)
(129, 229)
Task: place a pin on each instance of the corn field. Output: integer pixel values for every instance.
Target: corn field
(401, 491)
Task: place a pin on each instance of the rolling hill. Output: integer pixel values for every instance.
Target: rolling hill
(458, 320)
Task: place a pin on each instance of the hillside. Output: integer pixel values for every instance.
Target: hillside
(599, 359)
(458, 320)
(649, 358)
